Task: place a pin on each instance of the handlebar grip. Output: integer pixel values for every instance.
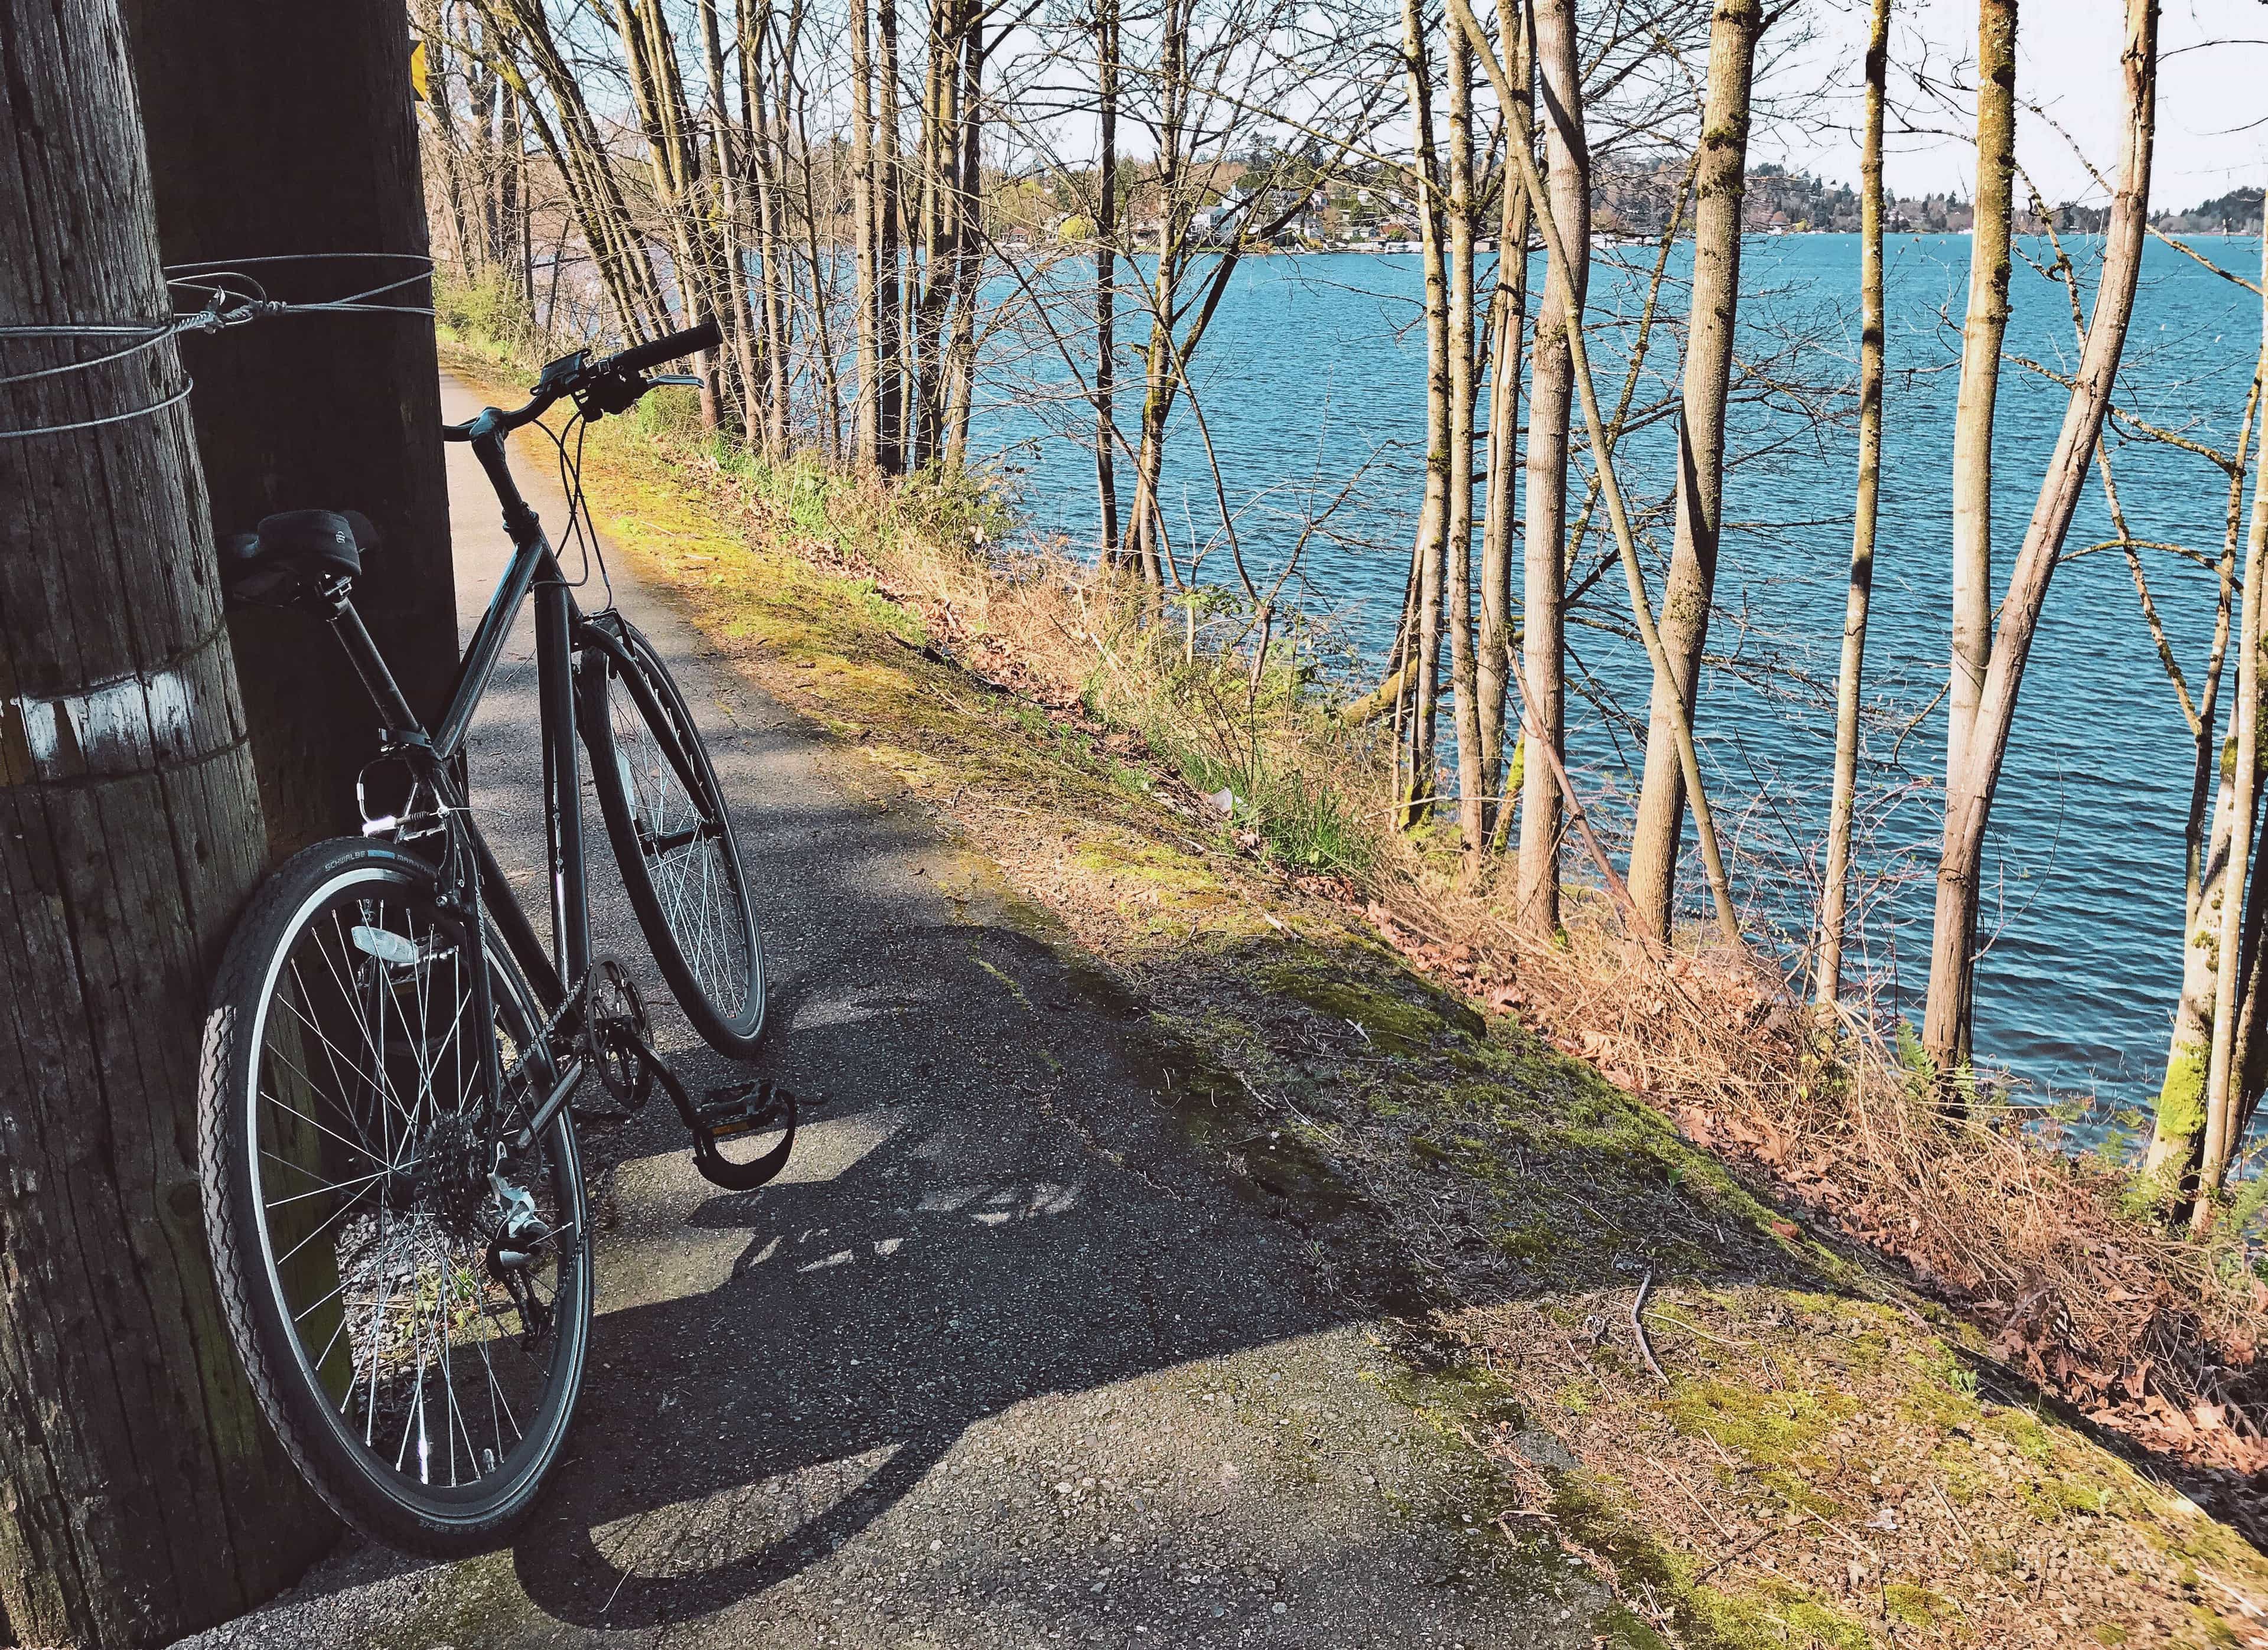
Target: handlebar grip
(705, 335)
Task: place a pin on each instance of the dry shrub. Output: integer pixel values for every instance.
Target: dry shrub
(2147, 1331)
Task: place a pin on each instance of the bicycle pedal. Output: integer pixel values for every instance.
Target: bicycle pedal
(743, 1109)
(724, 1114)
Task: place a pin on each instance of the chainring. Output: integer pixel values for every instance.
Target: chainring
(616, 1040)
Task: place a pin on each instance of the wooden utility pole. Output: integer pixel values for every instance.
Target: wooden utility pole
(143, 1498)
(278, 128)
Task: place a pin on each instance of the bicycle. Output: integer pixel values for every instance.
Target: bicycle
(387, 1101)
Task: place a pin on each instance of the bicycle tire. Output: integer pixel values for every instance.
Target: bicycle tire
(396, 1230)
(705, 939)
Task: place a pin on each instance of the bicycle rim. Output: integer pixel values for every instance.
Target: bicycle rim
(443, 1374)
(695, 889)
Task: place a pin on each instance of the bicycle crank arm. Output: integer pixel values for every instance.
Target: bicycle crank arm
(756, 1107)
(560, 1093)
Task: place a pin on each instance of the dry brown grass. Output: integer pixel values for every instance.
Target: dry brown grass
(2145, 1331)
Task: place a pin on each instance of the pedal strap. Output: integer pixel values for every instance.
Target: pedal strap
(724, 1113)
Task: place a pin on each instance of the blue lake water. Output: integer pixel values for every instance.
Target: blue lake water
(1314, 371)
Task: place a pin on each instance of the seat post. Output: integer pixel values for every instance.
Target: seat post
(370, 665)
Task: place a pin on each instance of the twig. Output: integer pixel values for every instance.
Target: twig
(1637, 1327)
(1743, 1550)
(1939, 1490)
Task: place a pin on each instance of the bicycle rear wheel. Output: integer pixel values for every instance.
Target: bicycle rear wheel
(672, 835)
(415, 1316)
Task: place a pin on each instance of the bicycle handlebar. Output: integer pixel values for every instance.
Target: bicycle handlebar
(613, 377)
(703, 335)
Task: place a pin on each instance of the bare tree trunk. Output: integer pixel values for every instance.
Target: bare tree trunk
(2223, 1097)
(890, 401)
(1551, 395)
(1946, 1015)
(1980, 375)
(968, 247)
(1691, 585)
(441, 111)
(512, 204)
(143, 1498)
(1472, 787)
(1434, 518)
(1602, 443)
(732, 273)
(862, 209)
(586, 167)
(1835, 891)
(771, 286)
(1508, 322)
(2177, 1127)
(1105, 277)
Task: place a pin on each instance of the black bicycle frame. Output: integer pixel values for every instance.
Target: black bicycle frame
(432, 756)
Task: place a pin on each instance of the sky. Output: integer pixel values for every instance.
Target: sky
(2067, 60)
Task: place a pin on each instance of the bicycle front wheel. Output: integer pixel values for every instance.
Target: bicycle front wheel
(672, 835)
(413, 1313)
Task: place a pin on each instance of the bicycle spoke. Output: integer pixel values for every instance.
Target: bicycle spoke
(369, 1179)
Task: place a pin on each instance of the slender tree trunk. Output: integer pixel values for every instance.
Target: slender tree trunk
(1946, 1015)
(1433, 516)
(2177, 1126)
(1105, 277)
(512, 205)
(890, 444)
(1835, 891)
(2224, 1096)
(771, 291)
(732, 273)
(1988, 264)
(143, 1498)
(1472, 787)
(1162, 361)
(830, 377)
(862, 209)
(1507, 327)
(1551, 395)
(441, 110)
(1684, 622)
(586, 167)
(967, 248)
(1600, 436)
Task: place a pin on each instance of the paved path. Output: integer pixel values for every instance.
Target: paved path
(959, 1378)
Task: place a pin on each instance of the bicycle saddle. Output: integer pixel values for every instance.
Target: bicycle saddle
(276, 561)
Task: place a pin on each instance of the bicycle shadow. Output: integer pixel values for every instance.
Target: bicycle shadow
(774, 1372)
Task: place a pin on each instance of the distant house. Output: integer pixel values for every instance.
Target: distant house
(1211, 225)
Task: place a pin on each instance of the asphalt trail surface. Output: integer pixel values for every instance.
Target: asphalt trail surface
(997, 1361)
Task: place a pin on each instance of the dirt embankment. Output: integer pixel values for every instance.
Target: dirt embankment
(1726, 1369)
